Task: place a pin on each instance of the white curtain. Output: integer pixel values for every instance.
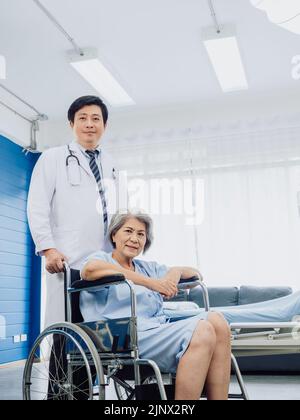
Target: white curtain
(245, 191)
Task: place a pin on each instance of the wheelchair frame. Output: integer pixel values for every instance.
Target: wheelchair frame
(108, 364)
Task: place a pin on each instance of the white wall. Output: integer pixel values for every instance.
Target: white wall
(169, 123)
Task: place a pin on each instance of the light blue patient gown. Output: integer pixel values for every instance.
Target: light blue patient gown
(159, 339)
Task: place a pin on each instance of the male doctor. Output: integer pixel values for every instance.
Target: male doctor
(74, 190)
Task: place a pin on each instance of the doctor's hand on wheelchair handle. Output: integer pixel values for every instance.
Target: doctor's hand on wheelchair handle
(54, 261)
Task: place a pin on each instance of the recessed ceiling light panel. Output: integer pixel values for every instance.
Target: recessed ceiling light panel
(89, 66)
(224, 54)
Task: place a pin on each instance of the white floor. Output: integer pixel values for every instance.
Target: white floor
(259, 387)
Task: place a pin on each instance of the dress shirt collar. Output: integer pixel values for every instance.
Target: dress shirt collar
(83, 150)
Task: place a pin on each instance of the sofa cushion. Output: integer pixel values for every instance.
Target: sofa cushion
(218, 296)
(253, 294)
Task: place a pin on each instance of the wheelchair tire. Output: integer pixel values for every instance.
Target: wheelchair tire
(63, 365)
(124, 390)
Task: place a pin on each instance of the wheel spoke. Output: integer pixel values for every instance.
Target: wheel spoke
(63, 370)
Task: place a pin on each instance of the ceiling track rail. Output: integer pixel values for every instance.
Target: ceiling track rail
(59, 27)
(15, 112)
(34, 122)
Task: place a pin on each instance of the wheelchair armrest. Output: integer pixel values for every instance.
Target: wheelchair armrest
(93, 285)
(193, 282)
(189, 283)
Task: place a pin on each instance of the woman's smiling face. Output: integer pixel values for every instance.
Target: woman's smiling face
(130, 239)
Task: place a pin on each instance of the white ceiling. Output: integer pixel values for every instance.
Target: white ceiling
(152, 47)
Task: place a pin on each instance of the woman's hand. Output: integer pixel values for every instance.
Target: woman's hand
(164, 286)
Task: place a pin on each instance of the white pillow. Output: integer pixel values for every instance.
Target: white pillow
(180, 306)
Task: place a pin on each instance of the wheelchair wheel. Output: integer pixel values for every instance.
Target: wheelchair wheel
(124, 390)
(63, 365)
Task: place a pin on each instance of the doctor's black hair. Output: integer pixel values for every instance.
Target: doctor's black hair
(86, 101)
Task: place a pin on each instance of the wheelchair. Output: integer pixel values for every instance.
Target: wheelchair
(76, 360)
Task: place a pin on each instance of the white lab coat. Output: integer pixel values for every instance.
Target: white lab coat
(69, 217)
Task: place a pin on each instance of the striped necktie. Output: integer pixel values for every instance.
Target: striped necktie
(94, 168)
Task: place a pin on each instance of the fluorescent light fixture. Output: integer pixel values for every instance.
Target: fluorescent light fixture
(285, 13)
(2, 67)
(224, 54)
(93, 71)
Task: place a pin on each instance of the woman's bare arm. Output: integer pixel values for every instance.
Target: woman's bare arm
(97, 269)
(177, 273)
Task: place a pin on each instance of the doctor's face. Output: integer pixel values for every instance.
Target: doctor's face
(88, 126)
(130, 239)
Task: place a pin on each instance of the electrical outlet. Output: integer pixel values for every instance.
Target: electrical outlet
(23, 337)
(17, 338)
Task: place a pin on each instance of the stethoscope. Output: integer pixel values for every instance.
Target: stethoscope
(74, 178)
(71, 156)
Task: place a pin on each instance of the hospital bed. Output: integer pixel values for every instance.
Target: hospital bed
(266, 338)
(254, 338)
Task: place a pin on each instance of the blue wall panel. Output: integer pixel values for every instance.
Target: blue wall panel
(13, 282)
(15, 353)
(13, 306)
(20, 269)
(8, 344)
(14, 248)
(16, 319)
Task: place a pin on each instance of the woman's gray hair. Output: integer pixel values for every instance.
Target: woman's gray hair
(119, 219)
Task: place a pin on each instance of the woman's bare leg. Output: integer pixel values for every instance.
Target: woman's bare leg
(218, 377)
(194, 364)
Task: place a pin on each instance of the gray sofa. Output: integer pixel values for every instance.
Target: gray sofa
(230, 296)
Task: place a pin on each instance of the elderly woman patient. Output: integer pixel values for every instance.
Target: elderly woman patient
(196, 348)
